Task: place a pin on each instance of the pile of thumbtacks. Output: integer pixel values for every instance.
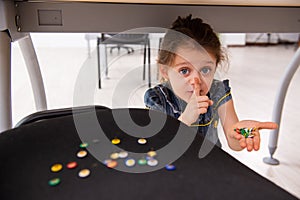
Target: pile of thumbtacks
(112, 162)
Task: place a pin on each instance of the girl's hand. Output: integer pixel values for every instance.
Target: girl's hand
(197, 105)
(253, 142)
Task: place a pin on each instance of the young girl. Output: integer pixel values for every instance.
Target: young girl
(188, 58)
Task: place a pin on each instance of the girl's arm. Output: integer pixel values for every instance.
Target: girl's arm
(228, 118)
(230, 122)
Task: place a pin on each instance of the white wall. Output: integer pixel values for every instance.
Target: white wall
(274, 37)
(243, 38)
(233, 39)
(59, 39)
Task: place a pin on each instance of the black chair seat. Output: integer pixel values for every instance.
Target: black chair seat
(51, 114)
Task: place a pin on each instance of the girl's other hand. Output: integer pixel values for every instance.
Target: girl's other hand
(253, 142)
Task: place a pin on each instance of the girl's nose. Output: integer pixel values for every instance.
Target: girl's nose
(195, 79)
(201, 85)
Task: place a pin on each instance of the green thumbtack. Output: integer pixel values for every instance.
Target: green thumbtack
(246, 132)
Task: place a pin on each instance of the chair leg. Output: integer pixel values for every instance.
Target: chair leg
(98, 62)
(106, 65)
(149, 65)
(159, 47)
(144, 66)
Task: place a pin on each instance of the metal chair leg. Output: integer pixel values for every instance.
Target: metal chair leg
(98, 62)
(149, 66)
(144, 66)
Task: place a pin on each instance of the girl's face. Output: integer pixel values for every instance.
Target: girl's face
(188, 65)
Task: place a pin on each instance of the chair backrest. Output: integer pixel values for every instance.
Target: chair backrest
(125, 38)
(49, 114)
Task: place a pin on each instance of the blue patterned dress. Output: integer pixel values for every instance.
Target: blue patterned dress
(163, 99)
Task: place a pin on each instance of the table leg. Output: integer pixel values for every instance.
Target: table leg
(5, 82)
(34, 72)
(278, 105)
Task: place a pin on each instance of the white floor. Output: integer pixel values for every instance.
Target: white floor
(254, 75)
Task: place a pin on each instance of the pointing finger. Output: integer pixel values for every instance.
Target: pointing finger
(267, 125)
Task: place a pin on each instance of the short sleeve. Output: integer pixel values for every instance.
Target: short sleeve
(220, 92)
(153, 99)
(162, 99)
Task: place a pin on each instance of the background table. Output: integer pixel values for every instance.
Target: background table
(28, 152)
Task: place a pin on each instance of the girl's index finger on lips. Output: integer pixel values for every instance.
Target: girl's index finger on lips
(197, 86)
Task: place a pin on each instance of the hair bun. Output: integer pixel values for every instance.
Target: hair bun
(185, 22)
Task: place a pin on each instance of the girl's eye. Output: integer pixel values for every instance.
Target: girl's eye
(184, 71)
(205, 70)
